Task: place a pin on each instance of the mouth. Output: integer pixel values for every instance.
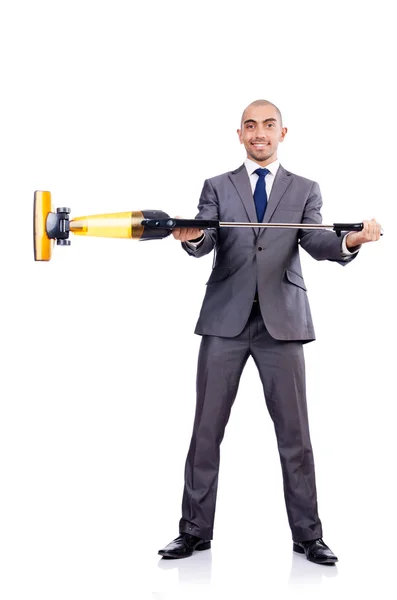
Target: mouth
(260, 145)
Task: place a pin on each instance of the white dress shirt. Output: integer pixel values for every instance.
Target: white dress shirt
(251, 166)
(273, 167)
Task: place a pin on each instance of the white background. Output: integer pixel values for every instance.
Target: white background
(117, 106)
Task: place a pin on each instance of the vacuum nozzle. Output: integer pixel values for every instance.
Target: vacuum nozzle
(48, 226)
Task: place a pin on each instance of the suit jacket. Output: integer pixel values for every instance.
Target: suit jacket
(265, 259)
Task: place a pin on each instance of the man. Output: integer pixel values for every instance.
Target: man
(256, 305)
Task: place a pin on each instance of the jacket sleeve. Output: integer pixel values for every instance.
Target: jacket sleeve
(208, 208)
(321, 244)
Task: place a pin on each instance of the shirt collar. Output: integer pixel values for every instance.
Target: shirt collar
(251, 166)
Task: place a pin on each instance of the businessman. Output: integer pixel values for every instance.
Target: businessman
(256, 305)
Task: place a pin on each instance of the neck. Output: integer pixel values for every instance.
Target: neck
(263, 163)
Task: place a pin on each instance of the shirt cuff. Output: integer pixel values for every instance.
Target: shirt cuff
(196, 244)
(346, 253)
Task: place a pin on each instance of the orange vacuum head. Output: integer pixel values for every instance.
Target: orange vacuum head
(42, 244)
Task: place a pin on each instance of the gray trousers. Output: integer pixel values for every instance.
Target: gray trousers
(282, 371)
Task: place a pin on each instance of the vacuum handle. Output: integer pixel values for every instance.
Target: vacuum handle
(339, 227)
(348, 226)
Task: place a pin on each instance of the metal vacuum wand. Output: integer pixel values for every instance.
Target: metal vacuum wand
(50, 226)
(211, 224)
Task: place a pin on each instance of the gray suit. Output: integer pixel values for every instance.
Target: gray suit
(272, 331)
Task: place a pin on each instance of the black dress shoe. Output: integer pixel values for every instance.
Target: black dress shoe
(184, 546)
(316, 551)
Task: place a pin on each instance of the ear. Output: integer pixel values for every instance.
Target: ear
(239, 133)
(283, 134)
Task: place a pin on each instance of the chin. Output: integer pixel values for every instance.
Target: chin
(261, 157)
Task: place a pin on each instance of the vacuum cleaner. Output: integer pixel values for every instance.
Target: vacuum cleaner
(50, 226)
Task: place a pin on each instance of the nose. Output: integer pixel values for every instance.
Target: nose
(261, 132)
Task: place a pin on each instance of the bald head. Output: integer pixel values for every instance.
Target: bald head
(261, 131)
(262, 103)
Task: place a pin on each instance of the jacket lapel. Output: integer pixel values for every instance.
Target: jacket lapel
(242, 184)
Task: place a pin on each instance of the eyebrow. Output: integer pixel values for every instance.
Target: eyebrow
(253, 121)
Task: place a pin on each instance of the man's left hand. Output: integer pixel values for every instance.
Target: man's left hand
(369, 233)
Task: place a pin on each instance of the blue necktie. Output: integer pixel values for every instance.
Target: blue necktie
(260, 196)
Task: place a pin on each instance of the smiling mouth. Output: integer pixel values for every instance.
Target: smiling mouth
(260, 145)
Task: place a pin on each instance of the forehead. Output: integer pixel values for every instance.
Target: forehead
(261, 113)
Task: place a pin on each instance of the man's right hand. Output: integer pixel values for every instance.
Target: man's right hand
(185, 235)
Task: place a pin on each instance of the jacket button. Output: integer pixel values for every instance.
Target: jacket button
(259, 248)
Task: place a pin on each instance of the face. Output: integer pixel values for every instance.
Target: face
(261, 132)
